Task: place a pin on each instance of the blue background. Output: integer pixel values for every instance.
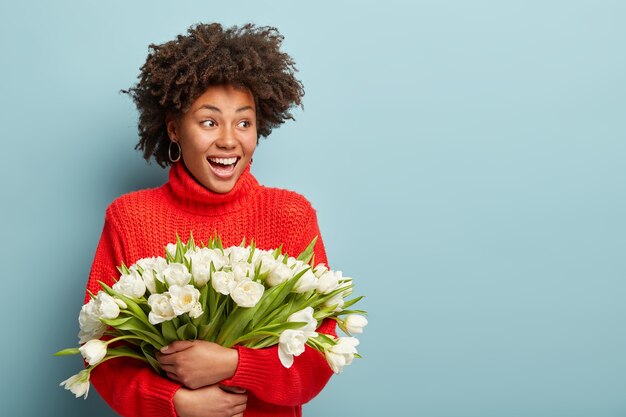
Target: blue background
(466, 159)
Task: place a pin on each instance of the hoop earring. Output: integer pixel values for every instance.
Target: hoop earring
(169, 151)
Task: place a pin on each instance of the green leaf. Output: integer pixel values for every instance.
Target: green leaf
(258, 340)
(180, 332)
(263, 343)
(116, 323)
(275, 297)
(149, 351)
(137, 327)
(344, 312)
(212, 295)
(234, 325)
(271, 330)
(191, 244)
(209, 331)
(277, 251)
(203, 331)
(321, 299)
(324, 339)
(135, 310)
(69, 351)
(252, 249)
(123, 270)
(169, 332)
(219, 244)
(277, 315)
(160, 286)
(180, 251)
(342, 326)
(124, 351)
(191, 332)
(307, 254)
(352, 302)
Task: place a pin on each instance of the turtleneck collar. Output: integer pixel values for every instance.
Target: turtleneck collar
(188, 194)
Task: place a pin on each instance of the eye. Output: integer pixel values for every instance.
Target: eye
(209, 123)
(244, 124)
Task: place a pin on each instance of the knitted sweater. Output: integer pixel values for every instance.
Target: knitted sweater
(141, 223)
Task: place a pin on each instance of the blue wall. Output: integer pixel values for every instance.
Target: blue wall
(466, 159)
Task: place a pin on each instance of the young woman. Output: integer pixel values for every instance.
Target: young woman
(204, 99)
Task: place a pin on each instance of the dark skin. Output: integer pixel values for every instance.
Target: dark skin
(199, 366)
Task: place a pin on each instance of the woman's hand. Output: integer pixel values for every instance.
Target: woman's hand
(198, 363)
(209, 401)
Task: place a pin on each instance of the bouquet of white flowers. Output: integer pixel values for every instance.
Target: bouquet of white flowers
(240, 295)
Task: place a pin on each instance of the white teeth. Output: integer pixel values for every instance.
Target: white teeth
(223, 161)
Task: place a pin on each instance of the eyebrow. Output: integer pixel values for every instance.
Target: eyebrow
(214, 108)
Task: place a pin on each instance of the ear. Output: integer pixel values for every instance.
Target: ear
(171, 123)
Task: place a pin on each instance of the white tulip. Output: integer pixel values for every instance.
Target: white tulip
(120, 303)
(267, 263)
(242, 270)
(161, 308)
(328, 282)
(93, 351)
(90, 325)
(177, 274)
(342, 354)
(192, 252)
(278, 275)
(320, 269)
(290, 343)
(258, 253)
(207, 255)
(306, 316)
(201, 260)
(78, 384)
(183, 299)
(307, 282)
(337, 300)
(224, 282)
(152, 268)
(237, 254)
(200, 268)
(170, 248)
(296, 264)
(131, 285)
(105, 306)
(247, 293)
(355, 323)
(196, 311)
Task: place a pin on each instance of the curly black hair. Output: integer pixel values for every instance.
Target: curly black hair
(177, 72)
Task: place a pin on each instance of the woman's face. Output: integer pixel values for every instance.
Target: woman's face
(217, 136)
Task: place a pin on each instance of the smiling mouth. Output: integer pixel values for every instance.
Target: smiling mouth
(223, 167)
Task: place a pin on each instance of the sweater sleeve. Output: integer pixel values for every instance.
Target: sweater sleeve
(260, 370)
(128, 385)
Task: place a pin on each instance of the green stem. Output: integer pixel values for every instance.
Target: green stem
(130, 336)
(253, 335)
(123, 354)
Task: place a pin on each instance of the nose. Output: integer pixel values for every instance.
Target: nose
(227, 139)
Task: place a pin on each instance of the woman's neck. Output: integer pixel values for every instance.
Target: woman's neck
(185, 192)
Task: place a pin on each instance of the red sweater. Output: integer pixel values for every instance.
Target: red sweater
(141, 223)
